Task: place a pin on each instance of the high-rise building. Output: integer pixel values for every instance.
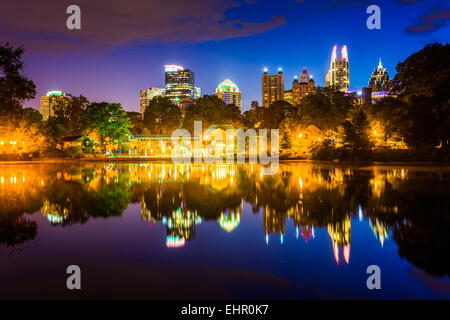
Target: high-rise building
(380, 80)
(272, 88)
(302, 88)
(148, 94)
(49, 101)
(179, 83)
(288, 96)
(229, 92)
(198, 93)
(339, 74)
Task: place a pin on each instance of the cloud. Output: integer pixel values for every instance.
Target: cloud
(429, 23)
(106, 24)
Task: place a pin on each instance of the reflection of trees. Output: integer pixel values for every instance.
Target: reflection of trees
(14, 232)
(412, 205)
(417, 210)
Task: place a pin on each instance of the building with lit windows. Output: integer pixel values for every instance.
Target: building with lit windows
(197, 93)
(380, 81)
(49, 101)
(272, 88)
(302, 88)
(179, 83)
(339, 74)
(288, 96)
(148, 94)
(229, 92)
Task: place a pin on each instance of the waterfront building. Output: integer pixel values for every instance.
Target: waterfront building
(179, 83)
(148, 94)
(229, 92)
(339, 74)
(49, 101)
(272, 88)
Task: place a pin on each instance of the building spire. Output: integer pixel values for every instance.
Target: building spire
(380, 66)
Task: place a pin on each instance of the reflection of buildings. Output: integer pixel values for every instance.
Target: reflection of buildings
(380, 230)
(230, 219)
(340, 237)
(54, 213)
(181, 227)
(273, 221)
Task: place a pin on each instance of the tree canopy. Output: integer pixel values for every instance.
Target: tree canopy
(211, 110)
(162, 116)
(108, 120)
(14, 87)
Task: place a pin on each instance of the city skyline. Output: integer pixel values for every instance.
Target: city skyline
(117, 71)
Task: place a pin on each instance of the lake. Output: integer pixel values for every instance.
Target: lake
(166, 231)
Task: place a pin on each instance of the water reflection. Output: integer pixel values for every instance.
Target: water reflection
(411, 205)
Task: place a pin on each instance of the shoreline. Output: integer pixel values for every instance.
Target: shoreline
(168, 160)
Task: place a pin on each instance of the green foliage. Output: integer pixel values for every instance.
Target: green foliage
(356, 132)
(107, 120)
(14, 87)
(326, 109)
(137, 123)
(70, 112)
(55, 129)
(161, 116)
(421, 111)
(211, 110)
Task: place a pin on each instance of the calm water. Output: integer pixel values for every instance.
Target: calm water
(165, 231)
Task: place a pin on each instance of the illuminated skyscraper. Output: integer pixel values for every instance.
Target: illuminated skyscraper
(302, 88)
(272, 88)
(49, 101)
(380, 79)
(148, 94)
(339, 74)
(179, 83)
(229, 92)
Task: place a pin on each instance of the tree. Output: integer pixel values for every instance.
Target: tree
(70, 111)
(252, 118)
(161, 115)
(356, 132)
(211, 110)
(326, 109)
(107, 120)
(421, 111)
(137, 123)
(14, 87)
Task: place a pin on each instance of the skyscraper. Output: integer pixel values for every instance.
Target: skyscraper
(380, 80)
(272, 88)
(179, 83)
(148, 94)
(229, 92)
(339, 74)
(302, 88)
(49, 101)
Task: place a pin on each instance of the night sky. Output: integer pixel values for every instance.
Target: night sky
(123, 45)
